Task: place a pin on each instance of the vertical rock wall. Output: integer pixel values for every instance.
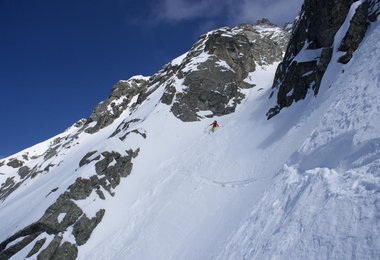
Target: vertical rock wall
(311, 47)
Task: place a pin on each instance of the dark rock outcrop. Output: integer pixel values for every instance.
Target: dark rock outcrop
(8, 187)
(84, 226)
(311, 47)
(55, 250)
(15, 163)
(86, 158)
(50, 250)
(10, 251)
(215, 69)
(37, 246)
(66, 251)
(107, 177)
(53, 190)
(124, 126)
(23, 171)
(356, 32)
(111, 108)
(209, 89)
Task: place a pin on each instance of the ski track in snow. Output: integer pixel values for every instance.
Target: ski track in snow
(227, 184)
(196, 179)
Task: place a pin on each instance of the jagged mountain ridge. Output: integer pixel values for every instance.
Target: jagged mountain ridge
(93, 156)
(303, 184)
(226, 55)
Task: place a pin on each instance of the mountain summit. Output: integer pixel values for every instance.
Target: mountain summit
(144, 178)
(86, 164)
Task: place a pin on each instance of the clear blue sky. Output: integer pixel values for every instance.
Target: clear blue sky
(58, 59)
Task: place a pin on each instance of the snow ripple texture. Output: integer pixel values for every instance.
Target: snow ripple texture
(325, 203)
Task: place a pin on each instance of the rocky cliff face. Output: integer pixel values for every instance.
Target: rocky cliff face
(215, 69)
(207, 81)
(213, 73)
(55, 195)
(315, 38)
(121, 97)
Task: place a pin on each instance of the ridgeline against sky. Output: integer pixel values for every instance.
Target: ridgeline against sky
(59, 59)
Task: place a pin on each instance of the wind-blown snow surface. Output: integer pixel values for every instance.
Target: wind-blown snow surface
(205, 196)
(303, 185)
(325, 202)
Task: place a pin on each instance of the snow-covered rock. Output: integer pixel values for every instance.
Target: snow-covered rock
(325, 31)
(143, 178)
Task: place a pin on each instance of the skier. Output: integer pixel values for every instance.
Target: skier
(214, 125)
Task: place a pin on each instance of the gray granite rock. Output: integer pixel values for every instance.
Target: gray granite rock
(15, 163)
(108, 110)
(8, 187)
(216, 84)
(65, 205)
(51, 152)
(80, 189)
(84, 227)
(315, 31)
(139, 132)
(85, 159)
(37, 246)
(358, 28)
(66, 251)
(124, 126)
(10, 251)
(50, 250)
(23, 171)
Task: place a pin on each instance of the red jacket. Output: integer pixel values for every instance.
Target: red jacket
(215, 124)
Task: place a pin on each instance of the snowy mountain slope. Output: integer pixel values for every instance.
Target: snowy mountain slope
(196, 180)
(321, 203)
(324, 202)
(143, 178)
(56, 194)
